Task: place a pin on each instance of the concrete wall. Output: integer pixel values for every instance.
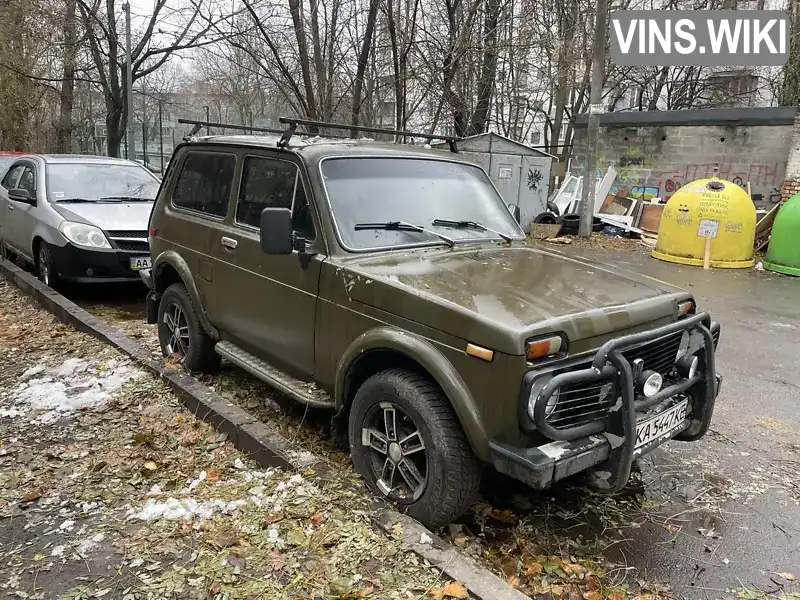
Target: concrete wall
(656, 160)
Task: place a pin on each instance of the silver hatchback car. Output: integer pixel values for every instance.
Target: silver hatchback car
(77, 218)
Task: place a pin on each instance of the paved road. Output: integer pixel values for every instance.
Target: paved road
(741, 484)
(722, 513)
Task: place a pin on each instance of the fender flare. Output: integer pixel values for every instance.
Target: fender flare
(429, 358)
(176, 261)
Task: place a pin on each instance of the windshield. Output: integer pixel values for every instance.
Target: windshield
(416, 191)
(94, 182)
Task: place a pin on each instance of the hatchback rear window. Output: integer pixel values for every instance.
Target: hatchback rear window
(204, 184)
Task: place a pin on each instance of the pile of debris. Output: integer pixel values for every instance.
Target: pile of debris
(614, 213)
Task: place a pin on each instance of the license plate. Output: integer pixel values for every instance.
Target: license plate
(660, 425)
(140, 262)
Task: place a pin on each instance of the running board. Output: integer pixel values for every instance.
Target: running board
(302, 391)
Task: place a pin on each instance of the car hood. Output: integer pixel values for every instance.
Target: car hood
(109, 216)
(500, 296)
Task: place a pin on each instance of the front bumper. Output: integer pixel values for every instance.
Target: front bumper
(608, 447)
(82, 265)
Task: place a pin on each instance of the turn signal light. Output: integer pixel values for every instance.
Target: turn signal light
(545, 347)
(685, 308)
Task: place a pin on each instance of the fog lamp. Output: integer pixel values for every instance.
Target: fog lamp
(687, 366)
(650, 383)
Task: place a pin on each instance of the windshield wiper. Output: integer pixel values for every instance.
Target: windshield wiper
(403, 226)
(63, 200)
(127, 198)
(470, 225)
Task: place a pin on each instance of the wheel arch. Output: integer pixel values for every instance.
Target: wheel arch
(385, 347)
(168, 268)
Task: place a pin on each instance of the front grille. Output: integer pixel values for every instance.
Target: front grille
(139, 234)
(658, 355)
(583, 403)
(132, 246)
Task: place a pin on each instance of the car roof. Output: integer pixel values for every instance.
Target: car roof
(317, 148)
(85, 159)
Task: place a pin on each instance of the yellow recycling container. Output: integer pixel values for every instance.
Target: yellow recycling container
(712, 208)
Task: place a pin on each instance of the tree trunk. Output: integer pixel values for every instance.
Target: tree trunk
(790, 89)
(398, 84)
(296, 9)
(363, 58)
(489, 68)
(67, 96)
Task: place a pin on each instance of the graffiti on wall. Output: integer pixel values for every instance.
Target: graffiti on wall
(636, 180)
(534, 178)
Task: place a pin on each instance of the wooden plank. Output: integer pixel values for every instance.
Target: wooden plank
(651, 216)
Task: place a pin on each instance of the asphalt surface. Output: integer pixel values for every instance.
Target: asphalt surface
(738, 489)
(721, 514)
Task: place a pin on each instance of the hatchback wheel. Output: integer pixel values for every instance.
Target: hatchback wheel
(44, 265)
(180, 333)
(408, 446)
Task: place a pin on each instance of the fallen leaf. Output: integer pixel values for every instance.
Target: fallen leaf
(31, 496)
(142, 438)
(150, 465)
(38, 557)
(513, 581)
(592, 596)
(616, 596)
(454, 589)
(786, 576)
(532, 568)
(212, 475)
(317, 518)
(557, 591)
(275, 560)
(574, 569)
(504, 516)
(366, 592)
(461, 541)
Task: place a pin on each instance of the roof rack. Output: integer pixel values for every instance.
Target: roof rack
(198, 125)
(294, 122)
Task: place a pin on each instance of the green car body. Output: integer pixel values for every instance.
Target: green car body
(333, 313)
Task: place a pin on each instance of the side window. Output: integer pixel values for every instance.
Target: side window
(28, 180)
(265, 184)
(204, 183)
(302, 221)
(11, 178)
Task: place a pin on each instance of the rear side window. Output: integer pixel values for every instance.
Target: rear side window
(204, 183)
(265, 184)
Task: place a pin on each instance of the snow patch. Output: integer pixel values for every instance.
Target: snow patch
(76, 384)
(173, 509)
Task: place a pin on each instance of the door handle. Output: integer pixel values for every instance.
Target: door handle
(10, 206)
(229, 243)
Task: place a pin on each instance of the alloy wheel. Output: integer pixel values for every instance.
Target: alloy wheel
(175, 321)
(397, 453)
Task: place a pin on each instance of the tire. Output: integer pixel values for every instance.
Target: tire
(192, 347)
(44, 265)
(570, 223)
(546, 218)
(452, 473)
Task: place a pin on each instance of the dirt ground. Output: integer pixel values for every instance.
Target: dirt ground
(714, 519)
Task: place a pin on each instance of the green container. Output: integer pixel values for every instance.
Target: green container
(783, 254)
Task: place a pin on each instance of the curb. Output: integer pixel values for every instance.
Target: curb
(259, 440)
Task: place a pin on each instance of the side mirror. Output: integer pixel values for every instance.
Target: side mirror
(514, 210)
(276, 231)
(21, 195)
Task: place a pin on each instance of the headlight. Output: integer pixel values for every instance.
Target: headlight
(80, 234)
(536, 388)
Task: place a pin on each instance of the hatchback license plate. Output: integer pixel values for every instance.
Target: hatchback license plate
(140, 262)
(660, 425)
